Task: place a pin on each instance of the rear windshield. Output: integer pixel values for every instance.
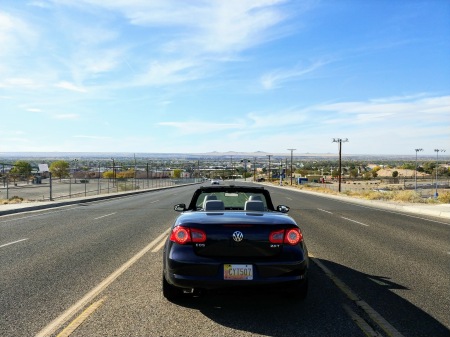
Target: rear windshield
(231, 200)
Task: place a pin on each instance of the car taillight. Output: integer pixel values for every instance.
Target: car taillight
(290, 236)
(183, 235)
(276, 236)
(293, 236)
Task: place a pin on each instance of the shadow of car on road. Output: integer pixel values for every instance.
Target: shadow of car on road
(272, 313)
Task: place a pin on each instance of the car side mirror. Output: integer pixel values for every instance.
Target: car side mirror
(179, 207)
(283, 208)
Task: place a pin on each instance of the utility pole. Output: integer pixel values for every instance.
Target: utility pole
(291, 162)
(437, 163)
(269, 155)
(415, 173)
(340, 141)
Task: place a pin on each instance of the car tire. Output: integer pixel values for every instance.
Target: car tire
(170, 292)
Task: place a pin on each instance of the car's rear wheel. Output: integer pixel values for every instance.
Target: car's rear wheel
(170, 292)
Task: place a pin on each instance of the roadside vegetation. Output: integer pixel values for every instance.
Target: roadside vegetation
(387, 180)
(394, 195)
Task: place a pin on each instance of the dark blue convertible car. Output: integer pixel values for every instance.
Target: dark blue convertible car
(232, 236)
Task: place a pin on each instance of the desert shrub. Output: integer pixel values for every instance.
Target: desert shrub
(15, 200)
(444, 197)
(407, 196)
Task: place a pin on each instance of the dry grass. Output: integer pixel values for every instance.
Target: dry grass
(395, 195)
(13, 200)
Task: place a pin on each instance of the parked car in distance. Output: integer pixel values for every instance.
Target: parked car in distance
(232, 236)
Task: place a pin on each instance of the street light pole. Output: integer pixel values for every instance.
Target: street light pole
(437, 153)
(415, 178)
(340, 141)
(270, 177)
(291, 162)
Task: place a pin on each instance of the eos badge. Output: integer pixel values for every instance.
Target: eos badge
(238, 236)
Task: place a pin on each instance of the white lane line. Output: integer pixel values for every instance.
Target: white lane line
(42, 212)
(104, 216)
(11, 243)
(152, 202)
(322, 210)
(69, 313)
(360, 223)
(288, 198)
(158, 247)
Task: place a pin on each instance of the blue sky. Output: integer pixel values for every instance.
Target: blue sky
(196, 76)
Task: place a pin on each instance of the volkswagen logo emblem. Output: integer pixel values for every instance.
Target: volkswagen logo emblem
(238, 236)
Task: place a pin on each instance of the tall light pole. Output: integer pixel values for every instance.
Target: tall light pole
(415, 178)
(245, 161)
(76, 168)
(437, 153)
(291, 162)
(340, 141)
(269, 178)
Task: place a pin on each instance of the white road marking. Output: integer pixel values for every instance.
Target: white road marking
(360, 223)
(104, 216)
(42, 212)
(11, 243)
(69, 313)
(322, 210)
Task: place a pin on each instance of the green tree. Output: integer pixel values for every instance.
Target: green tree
(354, 173)
(59, 169)
(177, 173)
(395, 174)
(21, 167)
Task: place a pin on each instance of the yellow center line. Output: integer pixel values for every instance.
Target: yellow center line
(81, 318)
(66, 315)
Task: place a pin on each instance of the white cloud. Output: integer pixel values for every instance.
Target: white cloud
(20, 82)
(91, 137)
(70, 86)
(408, 109)
(66, 116)
(15, 34)
(196, 127)
(275, 78)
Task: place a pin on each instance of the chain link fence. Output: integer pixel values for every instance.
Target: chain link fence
(44, 188)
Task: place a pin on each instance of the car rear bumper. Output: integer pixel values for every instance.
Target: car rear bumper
(210, 274)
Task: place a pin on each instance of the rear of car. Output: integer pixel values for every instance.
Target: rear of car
(223, 249)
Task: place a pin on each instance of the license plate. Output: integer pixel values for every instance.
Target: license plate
(238, 272)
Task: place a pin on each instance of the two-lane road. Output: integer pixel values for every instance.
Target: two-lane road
(95, 270)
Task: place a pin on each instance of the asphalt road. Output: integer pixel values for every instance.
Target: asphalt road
(94, 269)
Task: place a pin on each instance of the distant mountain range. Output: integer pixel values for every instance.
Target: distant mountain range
(210, 155)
